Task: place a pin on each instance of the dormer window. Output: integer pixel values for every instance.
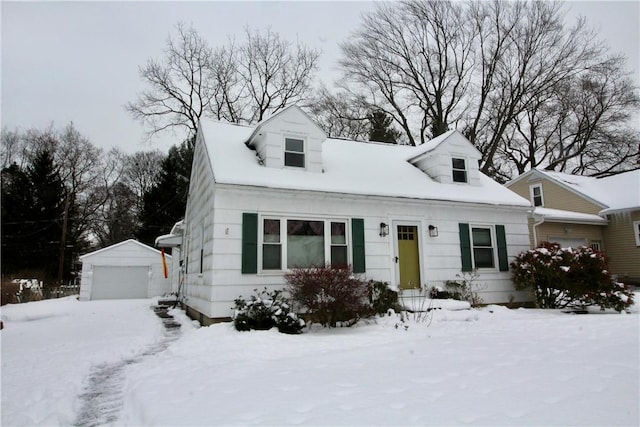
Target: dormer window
(536, 195)
(294, 152)
(459, 170)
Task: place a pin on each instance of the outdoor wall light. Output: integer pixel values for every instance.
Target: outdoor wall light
(384, 229)
(433, 231)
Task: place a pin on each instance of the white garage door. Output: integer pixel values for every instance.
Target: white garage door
(569, 243)
(119, 282)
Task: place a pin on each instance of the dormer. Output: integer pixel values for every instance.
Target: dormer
(449, 159)
(289, 139)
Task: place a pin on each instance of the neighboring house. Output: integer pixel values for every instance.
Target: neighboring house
(126, 270)
(603, 213)
(267, 198)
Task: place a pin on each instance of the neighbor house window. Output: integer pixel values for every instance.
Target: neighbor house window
(596, 245)
(536, 195)
(459, 170)
(636, 231)
(294, 152)
(482, 245)
(291, 243)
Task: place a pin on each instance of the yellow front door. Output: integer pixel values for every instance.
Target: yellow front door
(408, 257)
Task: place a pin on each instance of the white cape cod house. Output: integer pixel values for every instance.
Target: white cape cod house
(266, 198)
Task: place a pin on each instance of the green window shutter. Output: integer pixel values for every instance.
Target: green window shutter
(465, 247)
(249, 243)
(503, 259)
(357, 239)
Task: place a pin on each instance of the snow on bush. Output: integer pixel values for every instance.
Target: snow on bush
(266, 310)
(569, 277)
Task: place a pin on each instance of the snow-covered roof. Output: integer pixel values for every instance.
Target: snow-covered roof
(616, 193)
(118, 245)
(432, 144)
(349, 167)
(568, 216)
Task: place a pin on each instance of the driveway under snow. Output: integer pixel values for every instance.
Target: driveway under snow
(492, 366)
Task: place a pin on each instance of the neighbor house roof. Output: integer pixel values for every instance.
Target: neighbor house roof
(349, 167)
(118, 245)
(616, 193)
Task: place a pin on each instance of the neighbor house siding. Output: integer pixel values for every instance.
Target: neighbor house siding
(556, 196)
(624, 255)
(551, 231)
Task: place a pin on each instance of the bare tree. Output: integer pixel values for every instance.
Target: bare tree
(340, 115)
(582, 126)
(416, 56)
(140, 171)
(276, 72)
(525, 88)
(13, 148)
(181, 87)
(239, 83)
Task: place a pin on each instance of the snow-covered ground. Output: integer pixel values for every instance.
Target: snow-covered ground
(491, 366)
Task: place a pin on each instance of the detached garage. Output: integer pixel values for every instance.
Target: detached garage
(126, 270)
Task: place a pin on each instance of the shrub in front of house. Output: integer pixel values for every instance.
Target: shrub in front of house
(569, 277)
(266, 310)
(331, 296)
(381, 297)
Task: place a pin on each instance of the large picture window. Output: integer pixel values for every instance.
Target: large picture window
(483, 251)
(303, 243)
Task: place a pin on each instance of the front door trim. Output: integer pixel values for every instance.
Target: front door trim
(396, 248)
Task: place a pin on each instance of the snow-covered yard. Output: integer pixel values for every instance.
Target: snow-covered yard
(491, 366)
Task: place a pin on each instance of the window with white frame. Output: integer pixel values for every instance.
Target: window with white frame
(536, 195)
(294, 152)
(290, 243)
(483, 247)
(596, 245)
(459, 170)
(636, 231)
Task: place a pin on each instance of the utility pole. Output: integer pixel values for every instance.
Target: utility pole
(63, 239)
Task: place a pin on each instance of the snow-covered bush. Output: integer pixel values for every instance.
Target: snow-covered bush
(381, 297)
(568, 277)
(266, 310)
(331, 296)
(464, 288)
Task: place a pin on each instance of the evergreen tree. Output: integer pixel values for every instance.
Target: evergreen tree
(47, 213)
(17, 202)
(165, 203)
(381, 129)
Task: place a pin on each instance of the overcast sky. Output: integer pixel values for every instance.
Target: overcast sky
(78, 61)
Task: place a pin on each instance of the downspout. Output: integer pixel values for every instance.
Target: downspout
(535, 231)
